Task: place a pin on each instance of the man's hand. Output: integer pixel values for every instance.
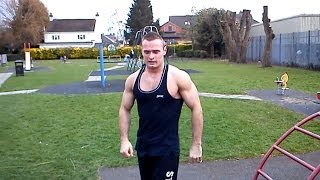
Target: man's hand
(126, 149)
(195, 154)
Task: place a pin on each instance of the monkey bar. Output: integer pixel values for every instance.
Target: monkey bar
(276, 146)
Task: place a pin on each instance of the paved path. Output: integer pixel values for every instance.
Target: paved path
(280, 168)
(4, 77)
(225, 96)
(294, 100)
(19, 92)
(98, 77)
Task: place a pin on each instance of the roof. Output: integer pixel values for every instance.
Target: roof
(291, 17)
(182, 21)
(192, 19)
(71, 25)
(171, 35)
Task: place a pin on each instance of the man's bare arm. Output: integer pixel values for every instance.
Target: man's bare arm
(190, 95)
(124, 118)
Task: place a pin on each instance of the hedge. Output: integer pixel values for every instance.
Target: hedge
(75, 53)
(195, 53)
(93, 53)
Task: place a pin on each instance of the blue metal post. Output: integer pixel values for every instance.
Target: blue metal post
(280, 49)
(103, 81)
(309, 47)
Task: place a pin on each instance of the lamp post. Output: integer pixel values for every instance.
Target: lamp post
(174, 47)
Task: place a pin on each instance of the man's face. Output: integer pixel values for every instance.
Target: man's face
(153, 53)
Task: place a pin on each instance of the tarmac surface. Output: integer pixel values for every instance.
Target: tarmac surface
(293, 100)
(277, 167)
(280, 168)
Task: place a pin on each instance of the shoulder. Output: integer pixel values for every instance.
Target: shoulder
(178, 74)
(180, 77)
(131, 79)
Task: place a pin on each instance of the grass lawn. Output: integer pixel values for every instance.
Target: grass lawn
(46, 136)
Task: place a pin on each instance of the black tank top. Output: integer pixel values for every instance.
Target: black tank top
(159, 115)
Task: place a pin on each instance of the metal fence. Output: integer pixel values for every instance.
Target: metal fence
(301, 49)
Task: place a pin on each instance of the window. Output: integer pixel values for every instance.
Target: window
(82, 36)
(55, 37)
(169, 28)
(187, 23)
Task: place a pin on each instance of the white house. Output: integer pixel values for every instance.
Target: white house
(62, 33)
(299, 23)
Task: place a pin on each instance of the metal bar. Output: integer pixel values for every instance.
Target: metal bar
(264, 174)
(103, 81)
(314, 173)
(307, 132)
(309, 46)
(295, 158)
(280, 49)
(312, 116)
(263, 161)
(286, 134)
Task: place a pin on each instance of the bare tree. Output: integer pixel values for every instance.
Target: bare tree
(269, 37)
(227, 24)
(236, 34)
(25, 20)
(246, 21)
(8, 9)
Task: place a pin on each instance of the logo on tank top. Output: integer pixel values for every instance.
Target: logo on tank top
(160, 96)
(169, 175)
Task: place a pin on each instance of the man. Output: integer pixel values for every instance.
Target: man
(160, 90)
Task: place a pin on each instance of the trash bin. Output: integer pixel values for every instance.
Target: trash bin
(19, 68)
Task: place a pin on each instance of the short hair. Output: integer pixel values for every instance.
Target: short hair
(151, 36)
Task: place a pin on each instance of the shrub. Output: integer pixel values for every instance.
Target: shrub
(196, 54)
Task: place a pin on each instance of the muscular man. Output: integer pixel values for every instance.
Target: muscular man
(160, 90)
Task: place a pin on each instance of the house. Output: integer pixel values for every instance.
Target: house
(176, 29)
(63, 33)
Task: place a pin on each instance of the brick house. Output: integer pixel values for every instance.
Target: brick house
(176, 29)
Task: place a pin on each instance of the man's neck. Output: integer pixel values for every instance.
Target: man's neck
(157, 70)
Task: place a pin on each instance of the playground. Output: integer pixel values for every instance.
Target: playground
(68, 127)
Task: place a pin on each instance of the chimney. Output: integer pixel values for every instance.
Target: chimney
(50, 17)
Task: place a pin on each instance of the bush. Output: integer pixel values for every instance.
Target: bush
(196, 54)
(79, 53)
(13, 57)
(204, 54)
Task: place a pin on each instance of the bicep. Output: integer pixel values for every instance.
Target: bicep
(189, 92)
(127, 96)
(127, 100)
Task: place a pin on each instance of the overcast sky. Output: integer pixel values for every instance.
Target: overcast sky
(117, 10)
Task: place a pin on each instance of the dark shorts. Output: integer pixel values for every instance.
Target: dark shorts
(158, 167)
